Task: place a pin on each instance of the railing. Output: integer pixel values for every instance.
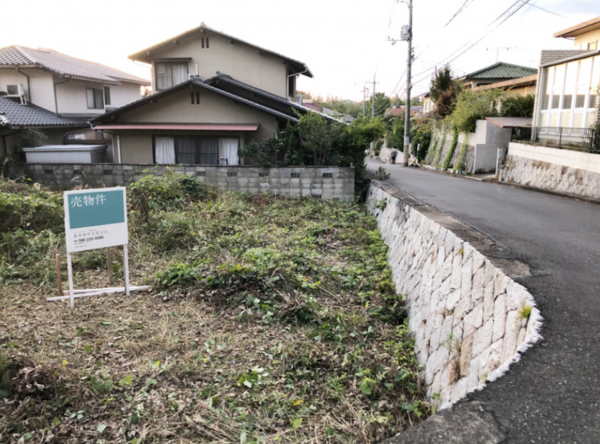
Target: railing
(578, 139)
(520, 134)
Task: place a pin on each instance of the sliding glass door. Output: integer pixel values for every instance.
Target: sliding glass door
(196, 150)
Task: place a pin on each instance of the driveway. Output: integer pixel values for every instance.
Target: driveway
(553, 394)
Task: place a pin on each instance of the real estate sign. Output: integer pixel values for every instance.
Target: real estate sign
(95, 218)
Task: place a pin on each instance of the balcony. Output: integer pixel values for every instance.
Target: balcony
(576, 139)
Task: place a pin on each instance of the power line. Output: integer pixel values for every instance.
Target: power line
(462, 8)
(449, 59)
(550, 12)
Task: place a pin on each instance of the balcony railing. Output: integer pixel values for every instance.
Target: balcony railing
(578, 139)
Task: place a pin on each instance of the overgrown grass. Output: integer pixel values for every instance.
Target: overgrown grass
(271, 320)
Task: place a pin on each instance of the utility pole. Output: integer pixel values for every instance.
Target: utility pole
(365, 90)
(408, 86)
(373, 97)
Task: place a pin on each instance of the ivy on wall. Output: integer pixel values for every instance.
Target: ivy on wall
(450, 152)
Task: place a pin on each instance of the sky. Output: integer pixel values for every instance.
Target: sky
(344, 42)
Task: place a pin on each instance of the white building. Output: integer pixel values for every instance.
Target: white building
(72, 89)
(567, 91)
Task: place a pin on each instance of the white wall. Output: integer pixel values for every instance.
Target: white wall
(40, 90)
(123, 94)
(572, 159)
(72, 96)
(12, 77)
(490, 137)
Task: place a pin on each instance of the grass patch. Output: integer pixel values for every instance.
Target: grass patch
(271, 320)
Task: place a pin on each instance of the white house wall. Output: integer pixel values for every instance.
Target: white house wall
(240, 61)
(72, 96)
(123, 94)
(39, 89)
(12, 77)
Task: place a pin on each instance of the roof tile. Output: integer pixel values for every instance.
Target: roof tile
(65, 65)
(502, 70)
(12, 113)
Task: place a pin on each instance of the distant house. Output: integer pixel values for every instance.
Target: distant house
(400, 111)
(567, 90)
(428, 104)
(55, 93)
(213, 93)
(498, 72)
(523, 86)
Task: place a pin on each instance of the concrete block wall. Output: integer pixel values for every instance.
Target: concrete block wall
(323, 182)
(464, 310)
(553, 169)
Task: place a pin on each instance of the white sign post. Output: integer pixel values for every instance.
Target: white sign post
(96, 218)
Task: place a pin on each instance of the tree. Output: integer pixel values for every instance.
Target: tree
(474, 105)
(415, 101)
(382, 102)
(517, 106)
(444, 91)
(397, 101)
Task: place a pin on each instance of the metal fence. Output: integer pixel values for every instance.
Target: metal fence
(578, 139)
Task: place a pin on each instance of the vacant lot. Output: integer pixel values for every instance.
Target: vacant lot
(270, 320)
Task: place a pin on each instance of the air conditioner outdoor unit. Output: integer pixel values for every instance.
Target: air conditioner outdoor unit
(16, 91)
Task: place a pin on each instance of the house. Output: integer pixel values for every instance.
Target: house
(213, 93)
(522, 86)
(398, 111)
(54, 92)
(428, 105)
(498, 72)
(567, 90)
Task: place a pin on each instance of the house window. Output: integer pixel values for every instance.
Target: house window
(205, 42)
(94, 98)
(107, 95)
(196, 150)
(170, 74)
(291, 86)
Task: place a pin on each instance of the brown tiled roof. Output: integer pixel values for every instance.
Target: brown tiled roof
(396, 112)
(63, 64)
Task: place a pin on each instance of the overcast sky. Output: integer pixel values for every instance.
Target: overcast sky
(344, 42)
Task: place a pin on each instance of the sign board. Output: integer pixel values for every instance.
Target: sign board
(95, 218)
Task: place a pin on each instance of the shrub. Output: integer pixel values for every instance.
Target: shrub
(473, 106)
(517, 106)
(170, 191)
(36, 211)
(382, 174)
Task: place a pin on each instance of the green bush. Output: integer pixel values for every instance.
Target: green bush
(517, 106)
(473, 106)
(170, 191)
(35, 211)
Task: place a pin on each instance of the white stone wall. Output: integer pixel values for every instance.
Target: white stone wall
(464, 311)
(554, 169)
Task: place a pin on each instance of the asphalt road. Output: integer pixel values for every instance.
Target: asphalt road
(553, 394)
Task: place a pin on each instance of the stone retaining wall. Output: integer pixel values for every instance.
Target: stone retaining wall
(465, 312)
(554, 169)
(325, 182)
